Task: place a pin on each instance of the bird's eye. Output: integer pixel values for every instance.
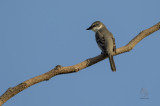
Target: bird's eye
(94, 25)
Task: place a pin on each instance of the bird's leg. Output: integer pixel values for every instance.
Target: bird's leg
(104, 53)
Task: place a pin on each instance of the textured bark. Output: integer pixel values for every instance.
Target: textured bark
(75, 68)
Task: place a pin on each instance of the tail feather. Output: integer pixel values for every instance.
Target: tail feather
(112, 64)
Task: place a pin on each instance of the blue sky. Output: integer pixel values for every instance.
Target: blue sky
(37, 35)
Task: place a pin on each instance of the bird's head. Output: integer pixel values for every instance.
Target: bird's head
(96, 26)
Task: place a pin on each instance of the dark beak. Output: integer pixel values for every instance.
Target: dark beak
(89, 28)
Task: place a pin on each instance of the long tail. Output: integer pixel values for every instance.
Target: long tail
(112, 64)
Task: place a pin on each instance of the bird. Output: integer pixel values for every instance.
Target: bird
(105, 41)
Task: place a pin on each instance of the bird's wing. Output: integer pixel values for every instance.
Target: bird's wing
(100, 41)
(114, 45)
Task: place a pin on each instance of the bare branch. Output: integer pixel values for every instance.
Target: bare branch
(75, 68)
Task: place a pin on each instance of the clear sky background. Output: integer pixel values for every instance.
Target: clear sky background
(37, 35)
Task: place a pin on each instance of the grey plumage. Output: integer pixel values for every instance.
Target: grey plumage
(105, 41)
